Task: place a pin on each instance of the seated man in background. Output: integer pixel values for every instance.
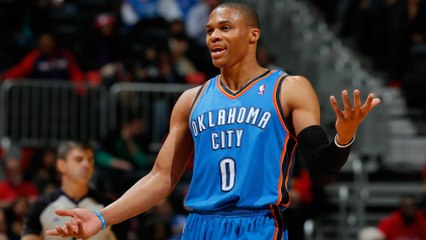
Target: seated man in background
(123, 156)
(75, 163)
(14, 185)
(408, 222)
(47, 61)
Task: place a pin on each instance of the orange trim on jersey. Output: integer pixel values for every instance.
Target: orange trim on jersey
(278, 109)
(285, 147)
(246, 87)
(280, 181)
(197, 97)
(287, 179)
(277, 225)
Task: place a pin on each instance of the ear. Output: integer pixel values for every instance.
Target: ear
(60, 165)
(254, 35)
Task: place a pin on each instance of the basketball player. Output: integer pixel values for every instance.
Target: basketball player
(241, 128)
(75, 163)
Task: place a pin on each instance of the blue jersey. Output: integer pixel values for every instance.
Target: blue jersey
(243, 147)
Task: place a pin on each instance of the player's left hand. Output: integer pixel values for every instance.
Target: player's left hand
(350, 117)
(83, 224)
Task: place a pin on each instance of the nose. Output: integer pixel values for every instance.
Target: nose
(86, 162)
(215, 35)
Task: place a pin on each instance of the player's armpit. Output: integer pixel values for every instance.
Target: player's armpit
(324, 158)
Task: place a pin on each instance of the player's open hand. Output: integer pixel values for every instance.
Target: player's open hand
(350, 117)
(83, 224)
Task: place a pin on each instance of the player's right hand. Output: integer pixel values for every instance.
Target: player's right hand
(83, 224)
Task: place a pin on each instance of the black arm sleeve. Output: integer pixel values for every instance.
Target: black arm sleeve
(324, 158)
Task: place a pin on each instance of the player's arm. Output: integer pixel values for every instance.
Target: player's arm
(167, 170)
(301, 107)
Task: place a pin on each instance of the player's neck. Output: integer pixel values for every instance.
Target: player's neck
(237, 76)
(74, 191)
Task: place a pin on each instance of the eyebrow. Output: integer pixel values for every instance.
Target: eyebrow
(219, 23)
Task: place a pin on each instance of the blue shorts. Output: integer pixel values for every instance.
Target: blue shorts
(235, 224)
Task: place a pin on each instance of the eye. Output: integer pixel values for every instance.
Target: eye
(226, 28)
(209, 31)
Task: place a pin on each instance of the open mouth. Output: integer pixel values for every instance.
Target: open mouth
(217, 52)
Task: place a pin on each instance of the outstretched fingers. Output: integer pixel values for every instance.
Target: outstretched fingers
(357, 103)
(346, 102)
(62, 231)
(63, 212)
(370, 103)
(70, 228)
(336, 107)
(52, 232)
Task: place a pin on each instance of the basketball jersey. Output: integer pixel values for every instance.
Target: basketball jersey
(243, 147)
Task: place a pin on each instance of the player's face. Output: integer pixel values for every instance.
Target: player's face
(79, 165)
(227, 37)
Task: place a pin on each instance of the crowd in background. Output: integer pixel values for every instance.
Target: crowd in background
(107, 42)
(102, 42)
(391, 34)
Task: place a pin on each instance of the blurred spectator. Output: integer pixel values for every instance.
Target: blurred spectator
(265, 59)
(123, 156)
(43, 170)
(370, 233)
(3, 225)
(157, 228)
(147, 22)
(367, 24)
(307, 200)
(14, 185)
(165, 210)
(301, 199)
(134, 11)
(184, 67)
(46, 62)
(121, 71)
(15, 215)
(148, 69)
(198, 55)
(158, 67)
(75, 163)
(408, 222)
(180, 48)
(16, 36)
(185, 6)
(384, 30)
(408, 29)
(163, 221)
(197, 19)
(43, 13)
(104, 45)
(168, 70)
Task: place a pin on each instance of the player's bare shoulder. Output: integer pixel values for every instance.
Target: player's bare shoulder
(295, 82)
(185, 101)
(296, 86)
(297, 90)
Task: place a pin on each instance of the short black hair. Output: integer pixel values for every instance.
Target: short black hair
(249, 14)
(67, 146)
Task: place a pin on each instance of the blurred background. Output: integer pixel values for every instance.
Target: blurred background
(108, 72)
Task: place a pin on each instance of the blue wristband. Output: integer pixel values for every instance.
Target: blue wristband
(104, 225)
